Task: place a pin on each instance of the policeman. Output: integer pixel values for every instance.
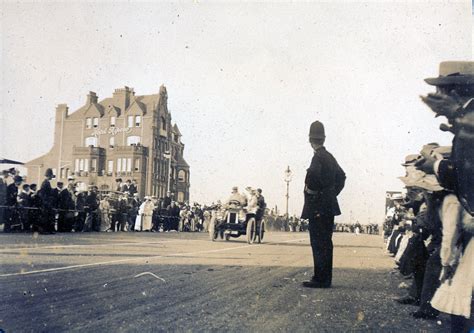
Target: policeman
(324, 181)
(48, 201)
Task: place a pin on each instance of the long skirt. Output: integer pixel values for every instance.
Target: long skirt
(104, 221)
(138, 222)
(456, 298)
(147, 222)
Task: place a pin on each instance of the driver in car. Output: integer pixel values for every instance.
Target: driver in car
(236, 200)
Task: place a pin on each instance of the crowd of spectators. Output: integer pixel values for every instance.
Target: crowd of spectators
(430, 228)
(75, 207)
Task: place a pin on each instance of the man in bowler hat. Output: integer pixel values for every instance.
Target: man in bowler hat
(324, 181)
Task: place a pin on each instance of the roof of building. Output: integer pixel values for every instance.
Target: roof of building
(181, 162)
(176, 130)
(36, 161)
(145, 103)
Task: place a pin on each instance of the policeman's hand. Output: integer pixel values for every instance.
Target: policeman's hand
(442, 104)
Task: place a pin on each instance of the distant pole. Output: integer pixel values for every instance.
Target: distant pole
(288, 176)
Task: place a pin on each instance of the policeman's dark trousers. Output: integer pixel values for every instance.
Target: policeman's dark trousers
(320, 234)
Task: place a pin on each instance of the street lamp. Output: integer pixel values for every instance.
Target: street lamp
(288, 177)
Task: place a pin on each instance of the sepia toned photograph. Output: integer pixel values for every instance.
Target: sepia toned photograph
(236, 166)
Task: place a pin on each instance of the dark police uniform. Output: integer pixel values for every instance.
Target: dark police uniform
(49, 201)
(325, 179)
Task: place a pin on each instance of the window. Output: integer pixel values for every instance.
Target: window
(163, 123)
(181, 176)
(88, 122)
(62, 173)
(96, 122)
(180, 197)
(129, 164)
(137, 164)
(119, 165)
(110, 166)
(112, 121)
(138, 120)
(112, 142)
(133, 140)
(91, 141)
(82, 164)
(94, 165)
(130, 121)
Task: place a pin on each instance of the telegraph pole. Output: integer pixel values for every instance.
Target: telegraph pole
(288, 177)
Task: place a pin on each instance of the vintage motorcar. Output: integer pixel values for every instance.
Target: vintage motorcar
(234, 221)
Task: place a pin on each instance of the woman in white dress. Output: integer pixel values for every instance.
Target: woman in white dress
(104, 208)
(454, 296)
(145, 214)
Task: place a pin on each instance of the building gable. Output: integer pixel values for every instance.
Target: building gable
(94, 110)
(136, 108)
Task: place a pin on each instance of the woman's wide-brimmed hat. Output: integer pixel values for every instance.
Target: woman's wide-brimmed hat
(419, 179)
(453, 72)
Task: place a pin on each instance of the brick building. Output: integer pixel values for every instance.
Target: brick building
(123, 136)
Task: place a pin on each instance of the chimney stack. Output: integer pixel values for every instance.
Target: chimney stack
(61, 112)
(92, 98)
(122, 97)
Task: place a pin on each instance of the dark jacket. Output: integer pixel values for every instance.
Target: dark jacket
(55, 198)
(12, 193)
(324, 181)
(92, 202)
(24, 199)
(132, 189)
(80, 201)
(65, 200)
(46, 194)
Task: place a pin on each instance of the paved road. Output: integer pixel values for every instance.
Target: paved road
(142, 282)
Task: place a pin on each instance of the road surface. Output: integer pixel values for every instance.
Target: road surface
(143, 282)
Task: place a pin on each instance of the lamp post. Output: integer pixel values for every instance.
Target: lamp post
(288, 177)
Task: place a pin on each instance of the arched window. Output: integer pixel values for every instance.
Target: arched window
(181, 176)
(133, 140)
(91, 141)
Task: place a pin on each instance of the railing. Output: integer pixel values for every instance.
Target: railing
(130, 149)
(88, 150)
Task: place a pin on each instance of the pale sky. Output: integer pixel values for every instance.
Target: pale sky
(244, 82)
